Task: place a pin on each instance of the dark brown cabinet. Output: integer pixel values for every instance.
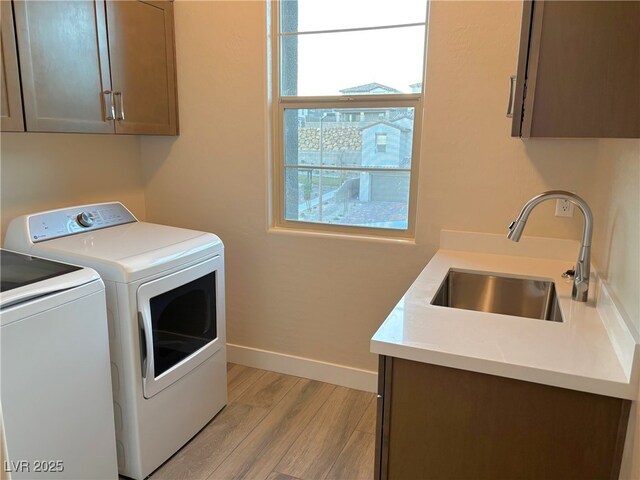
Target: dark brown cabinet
(92, 66)
(578, 70)
(445, 423)
(10, 97)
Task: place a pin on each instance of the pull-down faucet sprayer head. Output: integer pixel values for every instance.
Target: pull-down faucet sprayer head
(515, 230)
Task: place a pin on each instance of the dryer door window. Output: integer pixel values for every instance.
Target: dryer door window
(183, 321)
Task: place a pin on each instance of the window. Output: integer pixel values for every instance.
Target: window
(381, 142)
(348, 77)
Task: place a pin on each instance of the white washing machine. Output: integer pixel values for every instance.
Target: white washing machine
(166, 316)
(55, 384)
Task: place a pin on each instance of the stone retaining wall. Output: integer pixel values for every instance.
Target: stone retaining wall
(333, 139)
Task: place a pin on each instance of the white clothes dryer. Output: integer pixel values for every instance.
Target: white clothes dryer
(166, 315)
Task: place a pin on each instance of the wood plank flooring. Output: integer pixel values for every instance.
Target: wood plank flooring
(279, 427)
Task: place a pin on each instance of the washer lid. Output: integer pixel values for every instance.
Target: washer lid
(132, 251)
(23, 277)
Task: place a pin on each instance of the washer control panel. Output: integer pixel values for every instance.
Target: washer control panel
(69, 221)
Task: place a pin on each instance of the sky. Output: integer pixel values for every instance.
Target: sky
(329, 62)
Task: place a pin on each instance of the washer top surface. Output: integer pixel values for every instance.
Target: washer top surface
(24, 278)
(18, 270)
(123, 252)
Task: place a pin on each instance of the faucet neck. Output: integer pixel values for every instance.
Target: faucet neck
(587, 231)
(583, 264)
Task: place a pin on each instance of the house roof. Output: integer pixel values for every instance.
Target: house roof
(368, 87)
(385, 123)
(402, 115)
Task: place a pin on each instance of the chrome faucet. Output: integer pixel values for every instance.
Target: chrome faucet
(580, 290)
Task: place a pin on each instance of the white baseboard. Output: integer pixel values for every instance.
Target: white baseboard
(303, 367)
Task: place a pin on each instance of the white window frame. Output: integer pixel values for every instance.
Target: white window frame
(381, 142)
(280, 103)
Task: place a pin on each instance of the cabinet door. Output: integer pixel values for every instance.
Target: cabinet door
(583, 70)
(10, 99)
(65, 65)
(445, 423)
(141, 47)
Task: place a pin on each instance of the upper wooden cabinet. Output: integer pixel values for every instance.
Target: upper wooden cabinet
(141, 48)
(64, 64)
(578, 70)
(97, 67)
(10, 98)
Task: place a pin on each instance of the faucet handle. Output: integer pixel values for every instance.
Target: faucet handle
(582, 285)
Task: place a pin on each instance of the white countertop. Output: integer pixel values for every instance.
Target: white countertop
(589, 351)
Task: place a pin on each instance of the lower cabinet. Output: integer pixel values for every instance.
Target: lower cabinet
(445, 423)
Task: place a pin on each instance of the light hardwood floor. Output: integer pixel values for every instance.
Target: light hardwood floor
(279, 427)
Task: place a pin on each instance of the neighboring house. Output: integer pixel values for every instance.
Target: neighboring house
(370, 114)
(386, 144)
(369, 137)
(346, 115)
(369, 89)
(416, 87)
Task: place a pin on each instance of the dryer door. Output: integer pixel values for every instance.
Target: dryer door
(181, 320)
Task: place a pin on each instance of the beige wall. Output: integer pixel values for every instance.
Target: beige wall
(616, 199)
(615, 195)
(44, 171)
(322, 298)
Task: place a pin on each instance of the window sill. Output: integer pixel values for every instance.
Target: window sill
(342, 236)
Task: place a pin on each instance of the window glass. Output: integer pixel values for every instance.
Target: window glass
(368, 62)
(362, 198)
(381, 142)
(349, 166)
(314, 15)
(349, 97)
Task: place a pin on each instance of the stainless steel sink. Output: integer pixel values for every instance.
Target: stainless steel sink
(483, 292)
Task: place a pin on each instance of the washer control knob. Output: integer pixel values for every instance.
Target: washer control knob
(85, 219)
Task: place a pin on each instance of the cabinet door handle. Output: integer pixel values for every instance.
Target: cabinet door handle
(512, 92)
(109, 108)
(120, 106)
